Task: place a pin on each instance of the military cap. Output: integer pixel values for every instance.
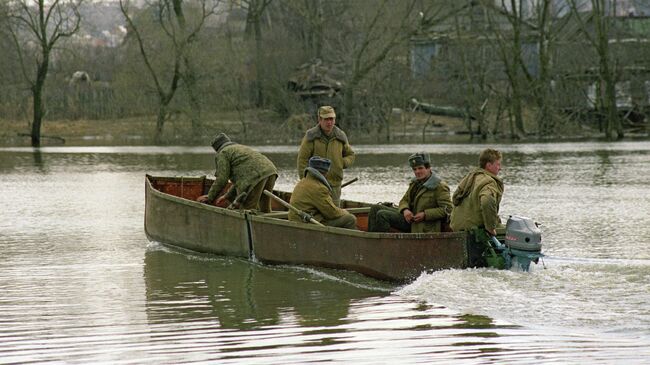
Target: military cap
(419, 159)
(320, 164)
(326, 112)
(219, 140)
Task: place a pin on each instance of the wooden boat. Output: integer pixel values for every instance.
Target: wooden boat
(172, 216)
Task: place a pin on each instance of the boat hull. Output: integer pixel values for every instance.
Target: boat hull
(173, 217)
(391, 256)
(183, 222)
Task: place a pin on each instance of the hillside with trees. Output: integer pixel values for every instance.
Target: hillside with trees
(173, 71)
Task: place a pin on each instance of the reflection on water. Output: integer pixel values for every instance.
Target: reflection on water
(240, 295)
(80, 283)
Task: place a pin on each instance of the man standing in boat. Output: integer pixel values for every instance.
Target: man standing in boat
(477, 198)
(312, 195)
(328, 141)
(249, 171)
(425, 206)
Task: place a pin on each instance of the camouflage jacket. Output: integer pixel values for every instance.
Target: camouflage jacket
(312, 196)
(242, 165)
(335, 147)
(476, 201)
(431, 197)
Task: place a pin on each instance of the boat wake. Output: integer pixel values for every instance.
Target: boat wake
(191, 255)
(602, 295)
(341, 276)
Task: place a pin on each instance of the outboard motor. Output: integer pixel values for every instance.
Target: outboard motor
(523, 243)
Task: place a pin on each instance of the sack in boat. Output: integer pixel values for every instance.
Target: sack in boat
(494, 260)
(489, 255)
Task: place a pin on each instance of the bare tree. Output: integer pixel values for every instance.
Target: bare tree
(474, 91)
(7, 60)
(189, 73)
(543, 20)
(36, 27)
(310, 12)
(599, 14)
(368, 33)
(509, 43)
(178, 36)
(540, 25)
(255, 10)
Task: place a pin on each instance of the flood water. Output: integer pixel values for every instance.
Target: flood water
(80, 282)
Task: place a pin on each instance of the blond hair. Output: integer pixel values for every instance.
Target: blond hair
(488, 155)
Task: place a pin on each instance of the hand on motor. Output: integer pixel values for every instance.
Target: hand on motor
(408, 215)
(202, 199)
(419, 217)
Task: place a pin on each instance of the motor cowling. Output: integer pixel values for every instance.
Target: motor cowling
(521, 246)
(523, 234)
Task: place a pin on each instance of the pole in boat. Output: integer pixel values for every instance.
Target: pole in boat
(349, 182)
(238, 199)
(294, 209)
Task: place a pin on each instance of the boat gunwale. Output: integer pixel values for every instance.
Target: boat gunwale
(355, 232)
(285, 222)
(189, 202)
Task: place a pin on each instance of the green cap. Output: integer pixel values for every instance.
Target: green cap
(326, 112)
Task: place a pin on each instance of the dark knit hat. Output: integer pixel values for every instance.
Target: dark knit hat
(320, 164)
(219, 140)
(419, 159)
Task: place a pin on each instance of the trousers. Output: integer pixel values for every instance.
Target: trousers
(256, 199)
(382, 218)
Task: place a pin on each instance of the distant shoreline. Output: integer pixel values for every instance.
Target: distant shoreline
(139, 132)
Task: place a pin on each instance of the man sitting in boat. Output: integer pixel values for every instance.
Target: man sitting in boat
(313, 195)
(249, 171)
(477, 198)
(425, 206)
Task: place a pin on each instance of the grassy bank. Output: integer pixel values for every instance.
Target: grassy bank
(255, 128)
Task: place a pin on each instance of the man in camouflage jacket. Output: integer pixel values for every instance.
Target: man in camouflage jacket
(477, 198)
(312, 195)
(328, 141)
(249, 171)
(424, 207)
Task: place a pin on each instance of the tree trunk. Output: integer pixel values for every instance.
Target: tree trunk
(160, 122)
(189, 75)
(517, 111)
(37, 93)
(195, 106)
(612, 121)
(545, 121)
(510, 52)
(259, 94)
(253, 33)
(317, 32)
(516, 78)
(348, 105)
(37, 117)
